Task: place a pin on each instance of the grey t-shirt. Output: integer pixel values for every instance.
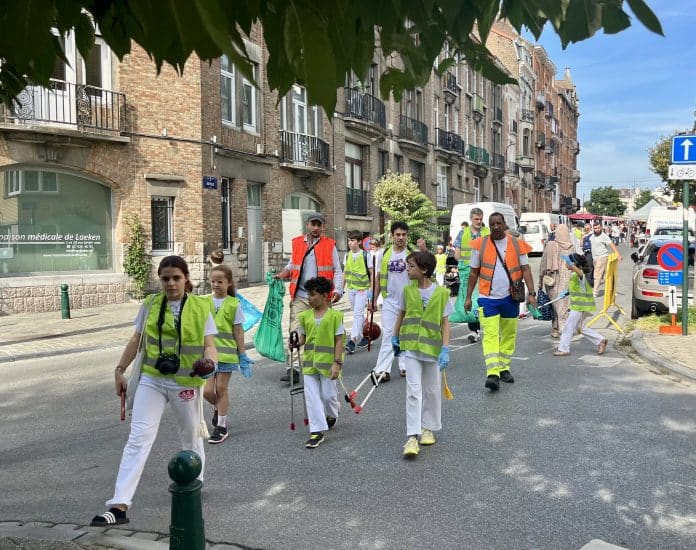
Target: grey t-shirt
(601, 245)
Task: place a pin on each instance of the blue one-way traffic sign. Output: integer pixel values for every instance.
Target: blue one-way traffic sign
(684, 150)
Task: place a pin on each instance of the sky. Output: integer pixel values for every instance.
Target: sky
(634, 87)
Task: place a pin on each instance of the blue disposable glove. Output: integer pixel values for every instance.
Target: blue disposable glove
(396, 345)
(443, 358)
(564, 293)
(245, 365)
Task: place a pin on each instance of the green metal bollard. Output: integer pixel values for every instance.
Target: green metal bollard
(64, 302)
(186, 531)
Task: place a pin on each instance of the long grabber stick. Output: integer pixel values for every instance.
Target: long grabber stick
(295, 354)
(372, 308)
(373, 377)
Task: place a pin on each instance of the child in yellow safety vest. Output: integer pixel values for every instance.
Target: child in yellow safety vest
(230, 347)
(357, 283)
(440, 265)
(423, 335)
(321, 333)
(582, 302)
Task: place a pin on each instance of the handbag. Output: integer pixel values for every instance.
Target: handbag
(134, 378)
(517, 289)
(549, 279)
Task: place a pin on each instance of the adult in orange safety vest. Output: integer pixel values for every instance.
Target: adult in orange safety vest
(313, 255)
(498, 312)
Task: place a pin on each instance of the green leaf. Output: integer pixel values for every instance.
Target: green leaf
(646, 16)
(84, 34)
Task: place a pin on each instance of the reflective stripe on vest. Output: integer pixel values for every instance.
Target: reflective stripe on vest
(581, 297)
(320, 341)
(421, 329)
(384, 270)
(465, 244)
(193, 318)
(323, 253)
(224, 321)
(488, 258)
(357, 277)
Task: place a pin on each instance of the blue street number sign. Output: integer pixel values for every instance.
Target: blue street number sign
(210, 182)
(670, 278)
(671, 257)
(684, 150)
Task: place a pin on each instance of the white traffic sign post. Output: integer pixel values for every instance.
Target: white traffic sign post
(672, 299)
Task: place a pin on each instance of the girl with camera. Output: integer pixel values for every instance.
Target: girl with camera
(230, 346)
(178, 332)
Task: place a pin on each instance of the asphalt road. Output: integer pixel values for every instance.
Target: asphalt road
(577, 449)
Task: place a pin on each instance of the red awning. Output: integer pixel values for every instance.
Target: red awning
(583, 216)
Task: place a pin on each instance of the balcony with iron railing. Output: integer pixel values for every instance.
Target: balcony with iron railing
(356, 202)
(549, 109)
(365, 108)
(449, 141)
(413, 130)
(303, 151)
(87, 109)
(526, 163)
(449, 83)
(497, 162)
(478, 155)
(527, 116)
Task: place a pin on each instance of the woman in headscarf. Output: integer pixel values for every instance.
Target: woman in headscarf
(552, 268)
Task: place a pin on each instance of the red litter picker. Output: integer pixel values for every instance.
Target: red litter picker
(294, 346)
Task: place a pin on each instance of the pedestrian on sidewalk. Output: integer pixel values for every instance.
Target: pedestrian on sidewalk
(496, 260)
(393, 278)
(421, 332)
(320, 331)
(357, 282)
(582, 303)
(441, 265)
(602, 246)
(554, 277)
(231, 349)
(179, 334)
(313, 255)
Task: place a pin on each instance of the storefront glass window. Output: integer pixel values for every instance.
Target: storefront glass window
(53, 221)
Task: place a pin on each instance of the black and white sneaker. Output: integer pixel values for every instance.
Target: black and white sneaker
(363, 343)
(315, 439)
(113, 517)
(350, 347)
(330, 421)
(215, 418)
(219, 435)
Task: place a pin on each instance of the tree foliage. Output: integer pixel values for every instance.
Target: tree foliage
(311, 43)
(642, 199)
(401, 200)
(136, 262)
(605, 201)
(660, 159)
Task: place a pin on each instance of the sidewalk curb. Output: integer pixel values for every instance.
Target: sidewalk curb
(658, 360)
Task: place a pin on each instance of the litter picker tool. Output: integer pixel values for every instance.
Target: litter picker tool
(372, 330)
(373, 377)
(348, 396)
(295, 390)
(123, 406)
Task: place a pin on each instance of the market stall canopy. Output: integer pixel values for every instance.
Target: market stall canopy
(583, 216)
(641, 214)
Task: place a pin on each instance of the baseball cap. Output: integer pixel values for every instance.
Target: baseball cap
(316, 216)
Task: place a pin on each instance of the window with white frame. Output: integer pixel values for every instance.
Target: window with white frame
(162, 209)
(227, 89)
(477, 189)
(29, 182)
(441, 195)
(249, 114)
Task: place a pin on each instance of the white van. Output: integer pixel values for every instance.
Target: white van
(544, 217)
(668, 216)
(461, 213)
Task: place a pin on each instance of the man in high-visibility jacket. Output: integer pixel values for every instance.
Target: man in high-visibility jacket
(462, 252)
(313, 255)
(497, 259)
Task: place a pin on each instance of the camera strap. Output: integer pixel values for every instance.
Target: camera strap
(177, 323)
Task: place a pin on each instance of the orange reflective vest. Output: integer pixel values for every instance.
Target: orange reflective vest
(488, 258)
(323, 252)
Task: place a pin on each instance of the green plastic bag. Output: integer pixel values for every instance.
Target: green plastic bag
(459, 315)
(268, 339)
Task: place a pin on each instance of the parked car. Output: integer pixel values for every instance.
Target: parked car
(673, 232)
(648, 295)
(536, 235)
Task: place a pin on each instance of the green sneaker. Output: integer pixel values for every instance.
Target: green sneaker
(411, 448)
(427, 438)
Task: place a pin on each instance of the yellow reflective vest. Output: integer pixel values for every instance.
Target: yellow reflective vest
(320, 341)
(356, 274)
(465, 244)
(581, 297)
(224, 321)
(193, 317)
(421, 329)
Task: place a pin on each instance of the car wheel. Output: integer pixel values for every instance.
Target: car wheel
(634, 310)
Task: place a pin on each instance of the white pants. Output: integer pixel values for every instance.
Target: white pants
(423, 396)
(321, 394)
(440, 279)
(151, 397)
(358, 302)
(390, 311)
(575, 319)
